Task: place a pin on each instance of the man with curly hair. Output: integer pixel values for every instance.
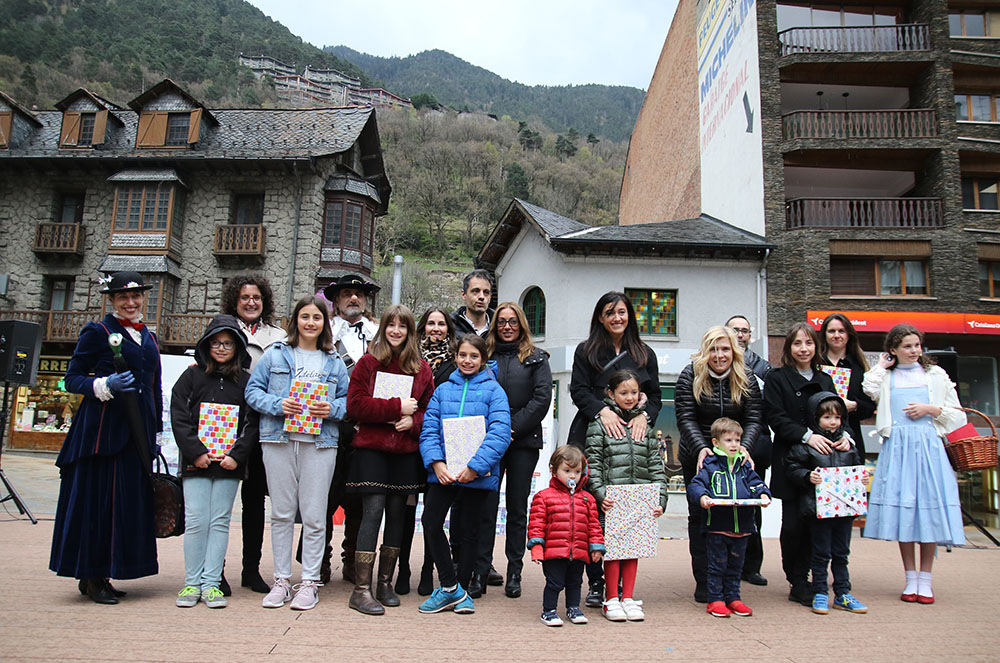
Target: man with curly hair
(250, 299)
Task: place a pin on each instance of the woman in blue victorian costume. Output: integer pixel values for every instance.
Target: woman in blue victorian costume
(104, 519)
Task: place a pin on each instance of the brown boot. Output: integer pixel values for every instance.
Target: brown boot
(361, 598)
(387, 556)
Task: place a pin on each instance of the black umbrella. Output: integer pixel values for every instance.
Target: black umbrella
(131, 402)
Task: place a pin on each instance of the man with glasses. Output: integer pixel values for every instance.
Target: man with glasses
(249, 297)
(761, 453)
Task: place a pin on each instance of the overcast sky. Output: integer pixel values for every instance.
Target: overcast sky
(536, 42)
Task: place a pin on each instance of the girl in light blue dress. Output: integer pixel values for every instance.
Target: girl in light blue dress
(914, 496)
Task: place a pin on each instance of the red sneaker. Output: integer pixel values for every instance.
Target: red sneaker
(739, 608)
(718, 609)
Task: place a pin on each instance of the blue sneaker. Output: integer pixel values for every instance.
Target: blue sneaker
(550, 618)
(465, 606)
(441, 600)
(850, 604)
(821, 604)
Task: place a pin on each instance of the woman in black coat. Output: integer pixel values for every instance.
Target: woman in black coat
(840, 346)
(786, 398)
(612, 345)
(523, 372)
(715, 384)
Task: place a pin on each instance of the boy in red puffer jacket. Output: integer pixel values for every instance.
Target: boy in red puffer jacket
(564, 534)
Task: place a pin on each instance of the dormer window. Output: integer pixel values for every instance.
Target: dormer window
(83, 128)
(168, 128)
(178, 128)
(6, 119)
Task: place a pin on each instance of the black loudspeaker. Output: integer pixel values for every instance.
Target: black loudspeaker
(20, 346)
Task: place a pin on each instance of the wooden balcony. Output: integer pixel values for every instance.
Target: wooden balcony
(57, 326)
(856, 39)
(183, 328)
(906, 123)
(240, 240)
(863, 213)
(61, 238)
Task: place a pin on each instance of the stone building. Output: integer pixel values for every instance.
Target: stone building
(184, 194)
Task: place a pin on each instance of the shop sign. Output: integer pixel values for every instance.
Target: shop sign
(53, 365)
(935, 323)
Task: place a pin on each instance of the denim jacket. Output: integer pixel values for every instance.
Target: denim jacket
(271, 382)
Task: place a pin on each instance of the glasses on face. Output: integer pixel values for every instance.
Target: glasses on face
(512, 323)
(741, 331)
(250, 298)
(225, 345)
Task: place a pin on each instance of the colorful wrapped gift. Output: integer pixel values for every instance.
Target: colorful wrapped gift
(217, 427)
(630, 529)
(462, 437)
(741, 502)
(841, 378)
(305, 392)
(842, 491)
(392, 385)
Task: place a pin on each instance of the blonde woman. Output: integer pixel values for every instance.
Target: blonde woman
(715, 384)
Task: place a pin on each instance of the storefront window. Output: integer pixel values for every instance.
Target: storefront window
(977, 385)
(668, 436)
(43, 413)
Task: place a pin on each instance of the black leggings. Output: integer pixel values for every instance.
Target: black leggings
(373, 506)
(437, 501)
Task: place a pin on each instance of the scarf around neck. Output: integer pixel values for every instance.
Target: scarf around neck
(435, 352)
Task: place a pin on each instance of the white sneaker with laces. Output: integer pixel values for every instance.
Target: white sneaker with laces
(306, 596)
(633, 610)
(613, 611)
(280, 594)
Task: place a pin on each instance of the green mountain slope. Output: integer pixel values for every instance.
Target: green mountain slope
(608, 111)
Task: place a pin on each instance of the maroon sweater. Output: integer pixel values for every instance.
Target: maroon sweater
(376, 416)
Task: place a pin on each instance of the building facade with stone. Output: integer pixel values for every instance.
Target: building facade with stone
(188, 196)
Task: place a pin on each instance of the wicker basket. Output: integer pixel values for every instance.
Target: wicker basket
(974, 453)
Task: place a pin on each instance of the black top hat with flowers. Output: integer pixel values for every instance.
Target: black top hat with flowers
(350, 281)
(123, 282)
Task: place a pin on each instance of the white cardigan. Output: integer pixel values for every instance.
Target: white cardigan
(942, 394)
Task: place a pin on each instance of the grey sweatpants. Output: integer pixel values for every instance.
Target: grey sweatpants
(298, 480)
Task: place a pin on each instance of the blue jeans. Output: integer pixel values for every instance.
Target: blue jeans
(725, 564)
(831, 544)
(208, 507)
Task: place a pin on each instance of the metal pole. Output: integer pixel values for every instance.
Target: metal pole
(397, 279)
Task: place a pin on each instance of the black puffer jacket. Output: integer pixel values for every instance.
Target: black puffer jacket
(694, 420)
(866, 406)
(529, 390)
(195, 387)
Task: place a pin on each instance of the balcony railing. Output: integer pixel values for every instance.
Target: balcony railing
(863, 213)
(59, 238)
(856, 39)
(239, 240)
(183, 328)
(58, 326)
(906, 123)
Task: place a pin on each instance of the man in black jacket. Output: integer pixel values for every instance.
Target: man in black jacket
(476, 315)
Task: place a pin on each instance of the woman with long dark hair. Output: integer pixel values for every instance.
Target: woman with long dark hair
(840, 346)
(613, 344)
(786, 397)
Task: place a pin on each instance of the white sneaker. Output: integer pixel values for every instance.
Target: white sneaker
(306, 596)
(280, 594)
(613, 611)
(633, 610)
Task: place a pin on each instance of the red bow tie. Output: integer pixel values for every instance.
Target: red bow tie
(138, 326)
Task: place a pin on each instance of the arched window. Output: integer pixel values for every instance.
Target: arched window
(534, 310)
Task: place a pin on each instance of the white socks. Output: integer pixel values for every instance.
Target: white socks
(924, 584)
(911, 583)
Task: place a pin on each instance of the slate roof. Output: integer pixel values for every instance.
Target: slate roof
(551, 223)
(704, 231)
(146, 175)
(146, 264)
(242, 134)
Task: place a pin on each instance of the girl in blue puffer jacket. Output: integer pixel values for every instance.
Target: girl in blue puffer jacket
(471, 391)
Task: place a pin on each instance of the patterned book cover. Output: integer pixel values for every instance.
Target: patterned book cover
(841, 378)
(842, 491)
(392, 385)
(217, 427)
(462, 437)
(305, 392)
(630, 530)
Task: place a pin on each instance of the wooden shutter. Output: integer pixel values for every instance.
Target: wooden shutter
(100, 127)
(152, 130)
(5, 122)
(194, 126)
(852, 276)
(989, 251)
(70, 129)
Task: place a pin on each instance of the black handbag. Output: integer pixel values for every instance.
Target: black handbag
(168, 501)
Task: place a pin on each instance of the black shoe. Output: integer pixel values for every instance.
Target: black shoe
(116, 592)
(252, 580)
(476, 586)
(595, 597)
(513, 587)
(801, 594)
(99, 591)
(224, 585)
(701, 594)
(755, 579)
(402, 586)
(494, 578)
(426, 584)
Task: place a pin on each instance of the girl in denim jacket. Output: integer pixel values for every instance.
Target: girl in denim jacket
(299, 466)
